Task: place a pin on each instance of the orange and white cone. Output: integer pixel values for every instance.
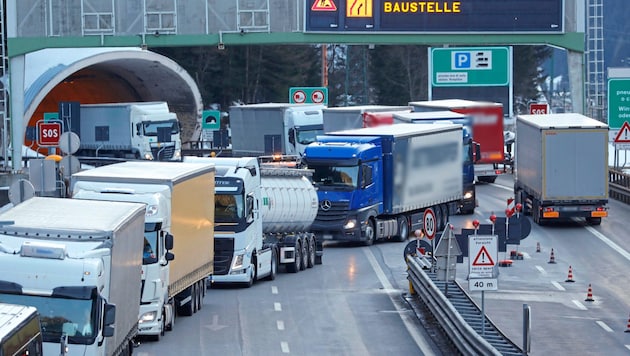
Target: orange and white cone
(628, 327)
(589, 294)
(552, 257)
(570, 276)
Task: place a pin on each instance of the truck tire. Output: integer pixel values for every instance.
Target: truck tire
(295, 267)
(188, 308)
(369, 233)
(311, 252)
(487, 179)
(200, 289)
(305, 253)
(403, 229)
(594, 221)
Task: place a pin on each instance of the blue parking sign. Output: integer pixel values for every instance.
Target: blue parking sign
(461, 60)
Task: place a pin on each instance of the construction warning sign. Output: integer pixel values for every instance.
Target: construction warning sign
(324, 5)
(623, 136)
(482, 252)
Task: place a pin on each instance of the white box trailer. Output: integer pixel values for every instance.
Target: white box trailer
(80, 264)
(561, 166)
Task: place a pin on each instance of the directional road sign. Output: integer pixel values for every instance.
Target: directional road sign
(470, 66)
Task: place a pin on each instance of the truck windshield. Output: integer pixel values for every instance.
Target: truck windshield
(150, 251)
(335, 175)
(150, 128)
(75, 318)
(467, 153)
(305, 137)
(228, 207)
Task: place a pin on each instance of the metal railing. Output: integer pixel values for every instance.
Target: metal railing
(457, 314)
(619, 185)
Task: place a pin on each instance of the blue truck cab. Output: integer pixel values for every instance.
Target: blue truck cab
(372, 183)
(471, 149)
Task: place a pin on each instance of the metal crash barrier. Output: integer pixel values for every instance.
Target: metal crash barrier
(457, 313)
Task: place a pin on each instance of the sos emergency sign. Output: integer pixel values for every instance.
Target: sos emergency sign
(48, 133)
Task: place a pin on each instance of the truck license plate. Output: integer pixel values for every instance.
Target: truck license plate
(327, 237)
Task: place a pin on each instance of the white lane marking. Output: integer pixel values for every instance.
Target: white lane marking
(280, 324)
(608, 242)
(277, 306)
(628, 347)
(579, 305)
(415, 335)
(274, 290)
(502, 187)
(541, 270)
(526, 255)
(604, 326)
(285, 347)
(557, 285)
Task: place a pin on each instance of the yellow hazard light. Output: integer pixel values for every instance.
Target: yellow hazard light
(599, 214)
(495, 155)
(551, 214)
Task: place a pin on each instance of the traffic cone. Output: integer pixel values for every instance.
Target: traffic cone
(589, 294)
(552, 257)
(570, 277)
(537, 246)
(628, 327)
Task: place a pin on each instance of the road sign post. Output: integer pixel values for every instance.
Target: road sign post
(48, 133)
(482, 259)
(538, 108)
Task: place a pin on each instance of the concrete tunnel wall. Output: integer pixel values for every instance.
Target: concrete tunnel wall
(106, 75)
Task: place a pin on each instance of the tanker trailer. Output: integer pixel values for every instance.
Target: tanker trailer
(288, 208)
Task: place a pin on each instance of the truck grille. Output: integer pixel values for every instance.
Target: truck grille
(337, 212)
(163, 153)
(223, 253)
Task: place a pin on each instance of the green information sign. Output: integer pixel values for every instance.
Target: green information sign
(51, 116)
(470, 66)
(308, 95)
(618, 102)
(211, 120)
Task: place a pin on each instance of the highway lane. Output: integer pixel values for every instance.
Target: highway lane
(562, 321)
(352, 304)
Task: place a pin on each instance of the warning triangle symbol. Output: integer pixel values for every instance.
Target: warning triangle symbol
(623, 136)
(324, 5)
(483, 258)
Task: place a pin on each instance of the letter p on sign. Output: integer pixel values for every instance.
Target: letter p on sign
(461, 60)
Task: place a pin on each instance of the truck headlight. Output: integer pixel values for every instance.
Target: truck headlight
(148, 156)
(350, 224)
(177, 154)
(468, 195)
(238, 261)
(148, 317)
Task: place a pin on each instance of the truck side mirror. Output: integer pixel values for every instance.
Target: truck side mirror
(169, 256)
(108, 331)
(292, 136)
(168, 241)
(110, 314)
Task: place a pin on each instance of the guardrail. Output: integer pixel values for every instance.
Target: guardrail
(458, 315)
(619, 185)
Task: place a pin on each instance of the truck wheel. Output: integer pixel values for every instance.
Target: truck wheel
(403, 229)
(305, 254)
(311, 252)
(594, 221)
(369, 233)
(273, 269)
(188, 308)
(295, 266)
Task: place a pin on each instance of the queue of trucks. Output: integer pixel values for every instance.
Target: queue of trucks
(20, 330)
